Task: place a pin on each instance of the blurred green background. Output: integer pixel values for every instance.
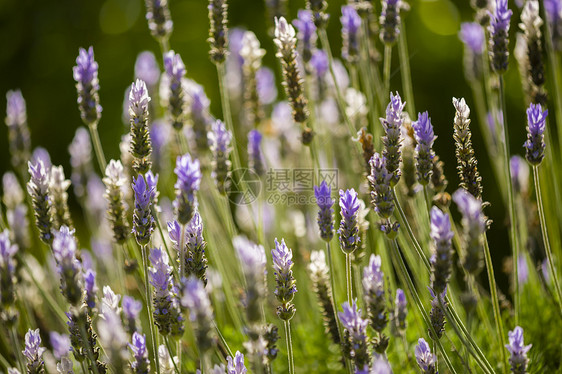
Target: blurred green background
(40, 41)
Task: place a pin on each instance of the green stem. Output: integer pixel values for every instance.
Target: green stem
(90, 350)
(555, 72)
(181, 251)
(403, 272)
(289, 347)
(222, 339)
(405, 70)
(46, 295)
(339, 98)
(366, 73)
(513, 222)
(495, 301)
(348, 278)
(93, 127)
(167, 342)
(386, 71)
(16, 349)
(544, 232)
(149, 308)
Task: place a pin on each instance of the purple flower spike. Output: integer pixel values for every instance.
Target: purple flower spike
(7, 268)
(220, 143)
(518, 350)
(175, 72)
(323, 194)
(60, 343)
(472, 35)
(356, 327)
(188, 172)
(553, 10)
(392, 139)
(474, 225)
(306, 33)
(255, 155)
(141, 364)
(143, 221)
(286, 283)
(69, 268)
(86, 76)
(400, 311)
(18, 132)
(236, 365)
(147, 69)
(423, 133)
(15, 109)
(536, 125)
(390, 20)
(519, 174)
(196, 300)
(265, 85)
(90, 287)
(131, 312)
(159, 21)
(499, 34)
(373, 290)
(381, 192)
(350, 22)
(349, 229)
(33, 352)
(442, 259)
(424, 357)
(319, 63)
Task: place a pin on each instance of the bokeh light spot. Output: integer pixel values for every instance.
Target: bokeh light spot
(440, 16)
(118, 16)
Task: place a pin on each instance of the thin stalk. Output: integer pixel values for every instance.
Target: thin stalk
(513, 222)
(84, 371)
(403, 272)
(405, 71)
(332, 275)
(348, 278)
(495, 302)
(289, 347)
(149, 308)
(544, 232)
(93, 127)
(386, 71)
(225, 102)
(16, 349)
(427, 200)
(436, 357)
(163, 237)
(167, 342)
(181, 251)
(205, 363)
(366, 73)
(339, 98)
(222, 339)
(555, 72)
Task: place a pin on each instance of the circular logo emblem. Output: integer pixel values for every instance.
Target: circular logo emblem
(244, 186)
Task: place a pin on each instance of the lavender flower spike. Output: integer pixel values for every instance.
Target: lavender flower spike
(286, 51)
(218, 31)
(147, 69)
(442, 258)
(351, 24)
(356, 332)
(196, 300)
(518, 350)
(167, 314)
(141, 147)
(141, 365)
(143, 221)
(423, 133)
(553, 10)
(326, 212)
(18, 131)
(38, 189)
(536, 125)
(90, 288)
(61, 344)
(33, 352)
(499, 36)
(424, 357)
(131, 311)
(306, 35)
(236, 365)
(253, 261)
(400, 311)
(114, 180)
(286, 283)
(8, 311)
(219, 140)
(374, 293)
(472, 35)
(189, 179)
(69, 268)
(159, 21)
(256, 160)
(390, 21)
(86, 76)
(392, 139)
(175, 71)
(381, 191)
(349, 229)
(473, 223)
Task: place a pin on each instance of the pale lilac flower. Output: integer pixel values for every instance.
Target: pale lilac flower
(256, 160)
(374, 293)
(33, 352)
(356, 327)
(220, 143)
(523, 269)
(390, 21)
(236, 365)
(306, 33)
(265, 85)
(80, 150)
(158, 17)
(351, 24)
(196, 300)
(518, 350)
(86, 76)
(60, 344)
(175, 72)
(349, 230)
(325, 202)
(519, 174)
(392, 139)
(423, 133)
(379, 181)
(131, 312)
(424, 357)
(147, 69)
(400, 311)
(474, 225)
(553, 10)
(499, 35)
(536, 125)
(472, 35)
(141, 365)
(69, 268)
(90, 287)
(143, 220)
(188, 173)
(285, 282)
(7, 270)
(442, 258)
